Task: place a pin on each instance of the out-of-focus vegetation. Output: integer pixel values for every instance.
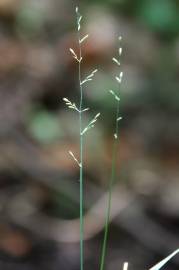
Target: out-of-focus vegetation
(39, 187)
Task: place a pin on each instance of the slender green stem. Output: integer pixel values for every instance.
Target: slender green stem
(111, 182)
(81, 158)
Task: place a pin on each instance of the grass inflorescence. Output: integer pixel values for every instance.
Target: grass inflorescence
(84, 129)
(116, 96)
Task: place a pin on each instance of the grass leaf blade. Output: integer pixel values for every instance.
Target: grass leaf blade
(164, 261)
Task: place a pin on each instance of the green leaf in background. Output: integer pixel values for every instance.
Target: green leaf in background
(30, 19)
(45, 127)
(164, 261)
(160, 15)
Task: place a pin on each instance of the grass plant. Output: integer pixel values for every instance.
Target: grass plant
(116, 96)
(83, 130)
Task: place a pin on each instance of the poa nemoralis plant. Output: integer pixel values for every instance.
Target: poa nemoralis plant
(83, 130)
(116, 96)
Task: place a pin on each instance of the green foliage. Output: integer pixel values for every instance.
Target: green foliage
(160, 16)
(44, 127)
(30, 20)
(64, 206)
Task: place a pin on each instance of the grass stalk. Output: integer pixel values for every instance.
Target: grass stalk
(113, 167)
(81, 155)
(82, 130)
(112, 180)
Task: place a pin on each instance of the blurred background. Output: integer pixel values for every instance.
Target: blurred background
(39, 186)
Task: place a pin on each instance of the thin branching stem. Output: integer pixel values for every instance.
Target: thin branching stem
(82, 130)
(81, 152)
(113, 168)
